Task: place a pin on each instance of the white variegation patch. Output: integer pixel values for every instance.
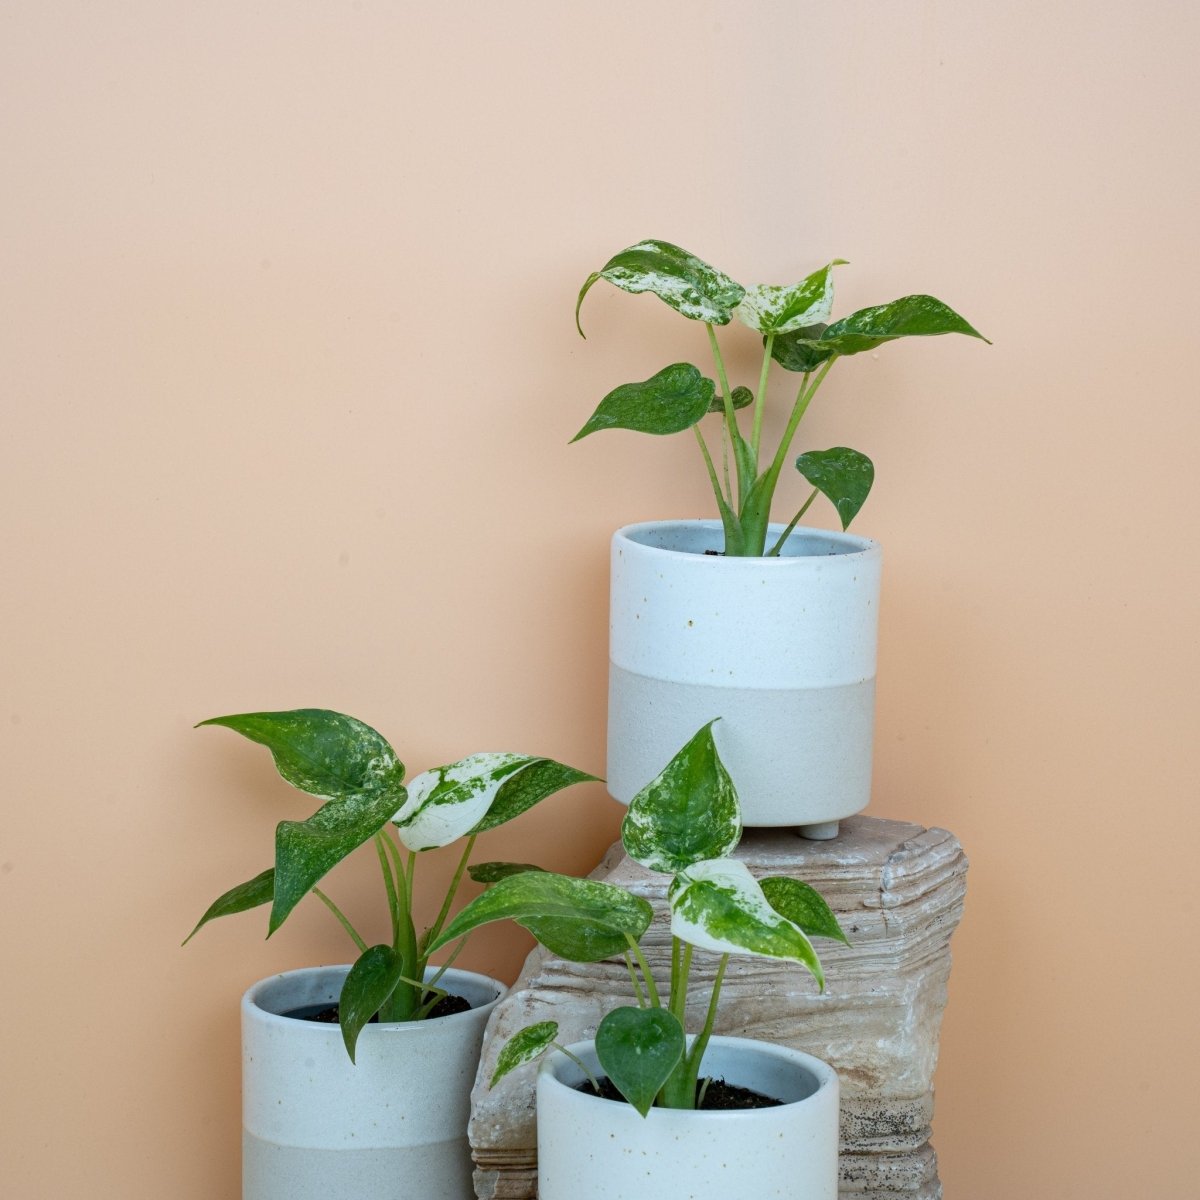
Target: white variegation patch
(718, 905)
(445, 803)
(783, 309)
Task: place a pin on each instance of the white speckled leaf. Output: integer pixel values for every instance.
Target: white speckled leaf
(688, 284)
(446, 803)
(771, 309)
(717, 905)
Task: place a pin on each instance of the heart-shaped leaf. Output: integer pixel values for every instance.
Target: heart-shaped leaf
(638, 1048)
(523, 1047)
(742, 397)
(718, 906)
(771, 309)
(252, 893)
(910, 316)
(804, 906)
(493, 872)
(371, 980)
(671, 401)
(578, 914)
(686, 813)
(802, 350)
(842, 474)
(305, 851)
(445, 803)
(689, 285)
(520, 792)
(326, 754)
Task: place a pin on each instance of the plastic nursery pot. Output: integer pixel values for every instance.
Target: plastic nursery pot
(595, 1149)
(316, 1126)
(781, 649)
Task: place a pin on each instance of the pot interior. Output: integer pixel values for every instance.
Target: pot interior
(701, 537)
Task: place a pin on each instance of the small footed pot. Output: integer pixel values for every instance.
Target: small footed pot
(316, 1126)
(594, 1149)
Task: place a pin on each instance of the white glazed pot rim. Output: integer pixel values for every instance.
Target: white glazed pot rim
(823, 1074)
(253, 995)
(639, 535)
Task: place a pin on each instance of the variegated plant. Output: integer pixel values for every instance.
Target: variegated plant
(686, 823)
(354, 770)
(793, 322)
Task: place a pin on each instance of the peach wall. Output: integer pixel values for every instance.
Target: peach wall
(288, 373)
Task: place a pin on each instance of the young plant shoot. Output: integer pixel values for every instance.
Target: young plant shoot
(354, 770)
(793, 323)
(685, 823)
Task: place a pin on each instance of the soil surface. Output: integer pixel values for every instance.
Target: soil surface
(718, 1096)
(447, 1006)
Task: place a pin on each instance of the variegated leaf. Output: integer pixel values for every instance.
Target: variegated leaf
(772, 309)
(523, 1047)
(717, 905)
(688, 812)
(802, 350)
(689, 285)
(804, 906)
(447, 802)
(910, 316)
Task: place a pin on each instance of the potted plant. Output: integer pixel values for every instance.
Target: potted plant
(355, 1108)
(771, 625)
(767, 1123)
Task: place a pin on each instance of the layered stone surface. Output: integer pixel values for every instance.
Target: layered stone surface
(897, 890)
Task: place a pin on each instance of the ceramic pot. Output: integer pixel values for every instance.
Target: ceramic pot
(781, 649)
(317, 1127)
(594, 1149)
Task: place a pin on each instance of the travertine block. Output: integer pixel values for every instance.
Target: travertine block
(897, 890)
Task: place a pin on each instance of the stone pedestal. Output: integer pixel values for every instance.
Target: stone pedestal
(897, 890)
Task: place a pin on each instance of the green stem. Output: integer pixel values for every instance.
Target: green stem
(696, 1054)
(637, 986)
(783, 537)
(708, 462)
(761, 397)
(590, 1077)
(655, 1002)
(730, 419)
(389, 882)
(803, 399)
(341, 916)
(436, 927)
(458, 949)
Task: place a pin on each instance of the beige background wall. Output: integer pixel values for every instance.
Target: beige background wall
(288, 372)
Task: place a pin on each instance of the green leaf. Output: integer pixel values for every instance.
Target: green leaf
(493, 872)
(323, 753)
(579, 915)
(638, 1049)
(802, 349)
(671, 401)
(371, 980)
(686, 813)
(718, 906)
(523, 1047)
(910, 316)
(742, 397)
(250, 894)
(519, 793)
(842, 474)
(690, 286)
(447, 802)
(777, 310)
(305, 851)
(804, 906)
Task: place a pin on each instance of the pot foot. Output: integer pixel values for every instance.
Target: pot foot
(822, 831)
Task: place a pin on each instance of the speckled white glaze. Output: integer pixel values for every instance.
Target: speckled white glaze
(316, 1125)
(781, 649)
(593, 1149)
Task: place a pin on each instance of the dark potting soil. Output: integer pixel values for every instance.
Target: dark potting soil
(447, 1006)
(718, 1096)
